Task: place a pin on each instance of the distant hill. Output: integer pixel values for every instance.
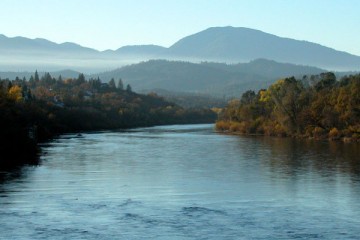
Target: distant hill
(24, 54)
(40, 46)
(217, 44)
(206, 78)
(244, 44)
(268, 68)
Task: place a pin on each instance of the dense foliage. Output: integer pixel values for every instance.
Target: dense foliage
(38, 109)
(318, 106)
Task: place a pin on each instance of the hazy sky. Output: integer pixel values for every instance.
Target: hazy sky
(110, 24)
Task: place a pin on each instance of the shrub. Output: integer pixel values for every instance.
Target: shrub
(334, 134)
(319, 132)
(222, 125)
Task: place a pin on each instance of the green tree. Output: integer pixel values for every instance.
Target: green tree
(120, 85)
(47, 80)
(128, 88)
(36, 78)
(32, 81)
(112, 83)
(80, 79)
(286, 95)
(327, 80)
(248, 97)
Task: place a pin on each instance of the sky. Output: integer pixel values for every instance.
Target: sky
(111, 24)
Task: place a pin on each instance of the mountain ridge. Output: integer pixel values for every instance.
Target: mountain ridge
(223, 44)
(216, 44)
(198, 79)
(217, 79)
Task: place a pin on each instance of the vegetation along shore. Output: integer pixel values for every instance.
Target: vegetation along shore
(316, 106)
(37, 109)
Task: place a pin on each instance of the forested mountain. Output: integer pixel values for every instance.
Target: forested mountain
(218, 44)
(216, 79)
(267, 68)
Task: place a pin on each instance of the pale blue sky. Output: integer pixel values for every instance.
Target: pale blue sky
(110, 24)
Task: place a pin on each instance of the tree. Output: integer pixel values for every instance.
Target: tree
(31, 81)
(36, 78)
(120, 85)
(326, 80)
(128, 88)
(47, 80)
(286, 95)
(112, 83)
(248, 97)
(80, 79)
(95, 83)
(15, 93)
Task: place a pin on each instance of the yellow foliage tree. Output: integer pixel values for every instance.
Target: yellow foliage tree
(265, 96)
(15, 93)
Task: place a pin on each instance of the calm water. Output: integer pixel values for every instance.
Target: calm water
(184, 182)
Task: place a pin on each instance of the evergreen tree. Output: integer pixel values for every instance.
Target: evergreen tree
(112, 83)
(37, 79)
(32, 81)
(80, 79)
(120, 84)
(128, 88)
(47, 79)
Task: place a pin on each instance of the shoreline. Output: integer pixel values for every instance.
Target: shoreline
(25, 151)
(327, 139)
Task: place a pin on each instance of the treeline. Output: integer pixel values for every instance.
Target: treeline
(40, 108)
(316, 106)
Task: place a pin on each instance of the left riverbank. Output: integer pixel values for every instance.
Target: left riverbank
(36, 111)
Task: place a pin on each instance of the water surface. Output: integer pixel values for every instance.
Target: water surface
(184, 182)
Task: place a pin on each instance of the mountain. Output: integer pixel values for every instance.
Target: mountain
(35, 46)
(217, 79)
(217, 44)
(244, 44)
(268, 68)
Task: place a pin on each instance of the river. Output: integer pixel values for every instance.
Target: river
(184, 182)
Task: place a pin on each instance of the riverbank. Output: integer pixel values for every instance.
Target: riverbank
(317, 107)
(36, 111)
(237, 128)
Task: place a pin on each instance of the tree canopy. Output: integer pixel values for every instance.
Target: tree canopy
(316, 107)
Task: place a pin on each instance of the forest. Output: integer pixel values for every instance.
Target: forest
(316, 106)
(39, 108)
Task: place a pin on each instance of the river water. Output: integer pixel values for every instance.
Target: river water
(184, 182)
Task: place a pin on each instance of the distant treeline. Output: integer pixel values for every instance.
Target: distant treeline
(40, 108)
(316, 106)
